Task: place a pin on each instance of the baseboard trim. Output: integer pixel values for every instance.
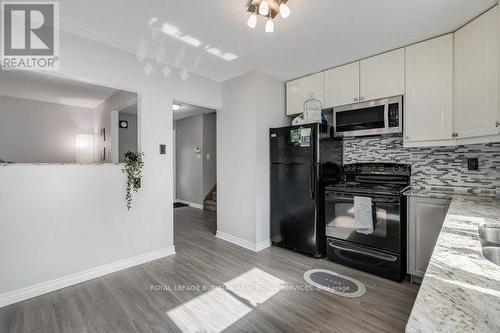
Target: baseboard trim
(255, 247)
(22, 294)
(189, 203)
(263, 245)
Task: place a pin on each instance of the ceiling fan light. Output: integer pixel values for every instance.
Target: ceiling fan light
(284, 10)
(252, 21)
(264, 8)
(269, 25)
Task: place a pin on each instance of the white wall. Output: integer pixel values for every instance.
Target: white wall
(236, 146)
(189, 164)
(61, 220)
(252, 103)
(270, 113)
(34, 131)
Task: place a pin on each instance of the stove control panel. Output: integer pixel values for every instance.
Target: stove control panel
(377, 169)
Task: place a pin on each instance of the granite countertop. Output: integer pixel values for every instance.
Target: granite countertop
(429, 193)
(448, 192)
(460, 291)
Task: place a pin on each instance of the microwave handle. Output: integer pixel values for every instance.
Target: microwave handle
(366, 252)
(386, 115)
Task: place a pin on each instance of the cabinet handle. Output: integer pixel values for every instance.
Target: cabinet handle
(361, 98)
(455, 135)
(355, 99)
(497, 124)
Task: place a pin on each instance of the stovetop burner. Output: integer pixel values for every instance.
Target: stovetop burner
(374, 178)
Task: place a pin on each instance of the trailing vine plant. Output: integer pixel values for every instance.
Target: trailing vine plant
(133, 169)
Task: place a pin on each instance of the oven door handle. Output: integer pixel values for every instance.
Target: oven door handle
(333, 197)
(374, 199)
(370, 253)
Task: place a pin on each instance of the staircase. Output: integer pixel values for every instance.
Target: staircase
(210, 202)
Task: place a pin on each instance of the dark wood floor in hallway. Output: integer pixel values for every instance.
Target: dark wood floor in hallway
(149, 297)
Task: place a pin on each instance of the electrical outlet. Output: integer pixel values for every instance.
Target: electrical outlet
(473, 163)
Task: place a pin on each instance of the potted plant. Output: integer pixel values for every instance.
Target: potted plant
(133, 169)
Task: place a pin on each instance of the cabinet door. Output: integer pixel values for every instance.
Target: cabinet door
(382, 75)
(342, 85)
(426, 217)
(429, 90)
(300, 90)
(476, 77)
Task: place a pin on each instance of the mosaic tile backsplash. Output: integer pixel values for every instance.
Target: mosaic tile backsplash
(432, 166)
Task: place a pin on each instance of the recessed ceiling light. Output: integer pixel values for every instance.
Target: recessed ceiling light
(176, 107)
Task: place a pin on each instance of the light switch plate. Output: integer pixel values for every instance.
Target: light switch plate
(163, 149)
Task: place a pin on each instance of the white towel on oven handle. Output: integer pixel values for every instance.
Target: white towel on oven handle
(363, 215)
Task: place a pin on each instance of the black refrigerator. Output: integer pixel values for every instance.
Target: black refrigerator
(304, 159)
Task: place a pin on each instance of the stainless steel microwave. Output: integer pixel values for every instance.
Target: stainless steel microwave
(376, 117)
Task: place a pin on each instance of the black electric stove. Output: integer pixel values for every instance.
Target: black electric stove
(382, 252)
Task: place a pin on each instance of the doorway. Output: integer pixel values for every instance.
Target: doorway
(195, 156)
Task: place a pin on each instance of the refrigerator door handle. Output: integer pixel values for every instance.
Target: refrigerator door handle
(313, 146)
(313, 181)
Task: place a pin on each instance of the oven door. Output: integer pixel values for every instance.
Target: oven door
(339, 220)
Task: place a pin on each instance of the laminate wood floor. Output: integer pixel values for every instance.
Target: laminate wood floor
(148, 298)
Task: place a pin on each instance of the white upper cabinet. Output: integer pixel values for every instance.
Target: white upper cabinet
(382, 76)
(429, 91)
(476, 77)
(300, 90)
(342, 85)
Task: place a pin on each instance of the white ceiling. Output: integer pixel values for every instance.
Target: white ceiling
(319, 34)
(189, 110)
(52, 89)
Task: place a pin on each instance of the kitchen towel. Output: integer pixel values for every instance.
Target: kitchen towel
(363, 215)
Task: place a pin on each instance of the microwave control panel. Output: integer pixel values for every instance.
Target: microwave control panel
(394, 115)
